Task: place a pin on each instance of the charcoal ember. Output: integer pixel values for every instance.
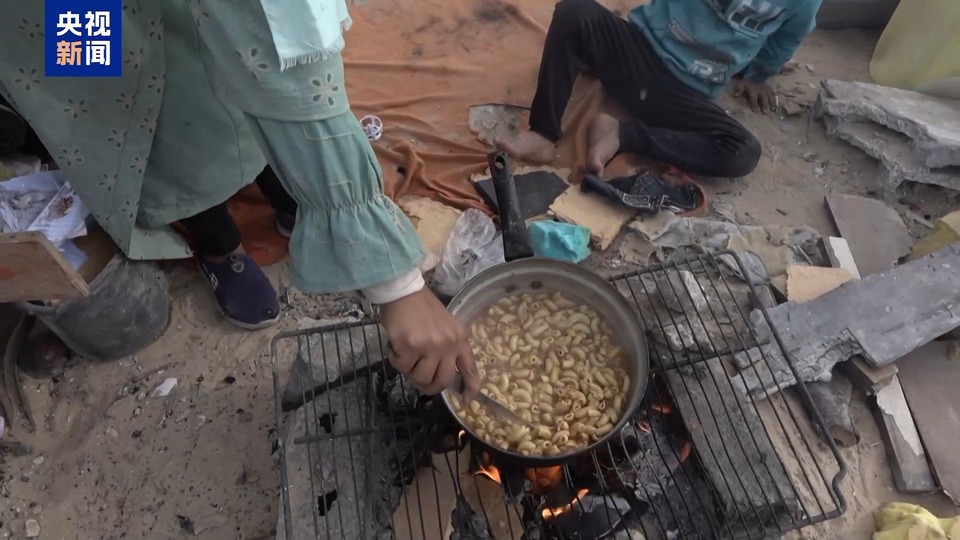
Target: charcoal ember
(467, 523)
(592, 517)
(401, 396)
(684, 509)
(655, 456)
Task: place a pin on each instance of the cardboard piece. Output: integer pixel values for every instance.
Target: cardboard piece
(876, 234)
(602, 217)
(945, 231)
(433, 221)
(929, 377)
(804, 283)
(868, 378)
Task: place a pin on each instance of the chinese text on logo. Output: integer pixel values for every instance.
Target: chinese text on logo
(83, 38)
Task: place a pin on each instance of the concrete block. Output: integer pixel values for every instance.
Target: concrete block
(893, 150)
(882, 317)
(932, 124)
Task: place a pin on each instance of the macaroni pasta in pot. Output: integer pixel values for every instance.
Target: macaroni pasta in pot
(555, 363)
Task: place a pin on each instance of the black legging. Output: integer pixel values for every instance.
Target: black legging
(672, 123)
(213, 231)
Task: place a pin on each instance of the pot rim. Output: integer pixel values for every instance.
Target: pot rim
(641, 362)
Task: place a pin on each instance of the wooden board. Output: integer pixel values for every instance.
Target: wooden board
(876, 234)
(32, 269)
(866, 377)
(908, 461)
(930, 379)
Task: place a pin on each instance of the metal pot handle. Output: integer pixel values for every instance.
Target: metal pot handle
(516, 239)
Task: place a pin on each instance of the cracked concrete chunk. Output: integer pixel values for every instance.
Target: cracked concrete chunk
(893, 150)
(882, 317)
(680, 338)
(933, 124)
(876, 234)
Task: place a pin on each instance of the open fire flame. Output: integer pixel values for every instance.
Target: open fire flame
(550, 513)
(543, 480)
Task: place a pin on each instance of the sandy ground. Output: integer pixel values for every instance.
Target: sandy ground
(110, 461)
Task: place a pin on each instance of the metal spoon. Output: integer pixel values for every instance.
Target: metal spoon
(490, 404)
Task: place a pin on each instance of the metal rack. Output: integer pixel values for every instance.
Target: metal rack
(364, 456)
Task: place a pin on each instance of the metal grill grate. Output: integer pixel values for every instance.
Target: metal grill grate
(364, 456)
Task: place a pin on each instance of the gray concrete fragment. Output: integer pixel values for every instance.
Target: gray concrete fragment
(680, 338)
(933, 124)
(882, 317)
(893, 150)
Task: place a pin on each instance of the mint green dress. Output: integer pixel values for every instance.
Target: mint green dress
(200, 109)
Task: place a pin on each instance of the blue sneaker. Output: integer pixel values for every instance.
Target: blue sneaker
(244, 294)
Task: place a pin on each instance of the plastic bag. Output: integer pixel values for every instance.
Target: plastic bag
(473, 246)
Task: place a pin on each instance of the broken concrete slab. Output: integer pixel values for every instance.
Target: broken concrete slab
(929, 379)
(892, 149)
(907, 458)
(875, 233)
(882, 317)
(932, 124)
(804, 283)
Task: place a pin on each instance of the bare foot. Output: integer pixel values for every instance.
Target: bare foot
(604, 139)
(529, 146)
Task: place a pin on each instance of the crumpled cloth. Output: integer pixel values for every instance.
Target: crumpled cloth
(558, 240)
(305, 31)
(764, 251)
(903, 521)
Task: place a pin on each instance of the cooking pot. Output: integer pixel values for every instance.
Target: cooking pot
(524, 273)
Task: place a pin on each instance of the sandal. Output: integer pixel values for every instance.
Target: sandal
(244, 294)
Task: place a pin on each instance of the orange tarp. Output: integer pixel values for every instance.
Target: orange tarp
(419, 66)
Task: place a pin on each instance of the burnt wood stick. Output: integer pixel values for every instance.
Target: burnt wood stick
(832, 399)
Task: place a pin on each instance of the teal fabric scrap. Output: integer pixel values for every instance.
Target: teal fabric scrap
(558, 240)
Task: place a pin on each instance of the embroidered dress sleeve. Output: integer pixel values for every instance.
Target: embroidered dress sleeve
(348, 234)
(783, 43)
